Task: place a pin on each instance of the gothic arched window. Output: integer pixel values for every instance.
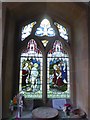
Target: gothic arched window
(44, 63)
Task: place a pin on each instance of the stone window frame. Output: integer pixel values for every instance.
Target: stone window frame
(66, 46)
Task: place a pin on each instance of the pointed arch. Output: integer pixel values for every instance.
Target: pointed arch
(52, 47)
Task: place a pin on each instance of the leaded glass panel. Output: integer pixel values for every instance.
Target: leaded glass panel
(45, 29)
(58, 81)
(31, 71)
(62, 31)
(26, 30)
(44, 42)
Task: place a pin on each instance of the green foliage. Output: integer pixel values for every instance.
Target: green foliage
(62, 88)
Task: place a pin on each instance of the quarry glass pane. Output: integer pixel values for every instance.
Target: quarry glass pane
(58, 81)
(30, 83)
(45, 29)
(26, 30)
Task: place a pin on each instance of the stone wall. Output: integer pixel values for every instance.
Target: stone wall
(80, 57)
(81, 61)
(8, 61)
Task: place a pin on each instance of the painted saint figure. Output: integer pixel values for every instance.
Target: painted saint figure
(57, 79)
(25, 73)
(34, 75)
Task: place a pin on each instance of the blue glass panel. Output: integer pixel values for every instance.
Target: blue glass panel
(45, 29)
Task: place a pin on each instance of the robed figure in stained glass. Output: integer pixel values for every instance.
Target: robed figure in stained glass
(31, 70)
(57, 69)
(57, 79)
(25, 73)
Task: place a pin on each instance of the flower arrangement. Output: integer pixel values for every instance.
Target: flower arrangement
(16, 104)
(13, 104)
(67, 109)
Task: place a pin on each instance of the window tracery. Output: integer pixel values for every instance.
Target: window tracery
(31, 63)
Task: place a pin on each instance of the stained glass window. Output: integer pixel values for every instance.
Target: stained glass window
(31, 62)
(58, 85)
(26, 30)
(45, 29)
(45, 42)
(31, 71)
(62, 31)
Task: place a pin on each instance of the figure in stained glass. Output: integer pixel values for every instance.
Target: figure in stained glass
(57, 70)
(57, 76)
(64, 72)
(25, 73)
(34, 76)
(31, 66)
(58, 73)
